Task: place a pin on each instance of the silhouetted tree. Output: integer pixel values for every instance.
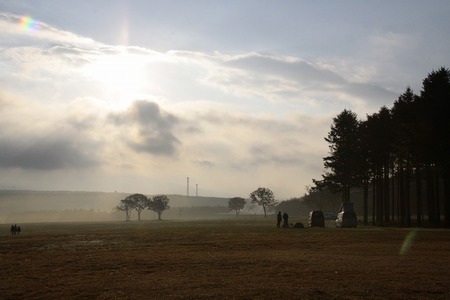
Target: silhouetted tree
(139, 203)
(159, 204)
(344, 162)
(435, 95)
(236, 204)
(380, 130)
(263, 197)
(389, 149)
(366, 170)
(406, 119)
(126, 205)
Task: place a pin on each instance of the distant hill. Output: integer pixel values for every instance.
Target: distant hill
(25, 200)
(193, 201)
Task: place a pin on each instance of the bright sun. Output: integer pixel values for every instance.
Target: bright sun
(121, 74)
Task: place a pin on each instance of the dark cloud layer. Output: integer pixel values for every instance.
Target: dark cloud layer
(50, 152)
(309, 77)
(153, 125)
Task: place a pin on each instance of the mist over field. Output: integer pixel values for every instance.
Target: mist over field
(22, 206)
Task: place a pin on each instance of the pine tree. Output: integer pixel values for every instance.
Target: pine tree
(344, 162)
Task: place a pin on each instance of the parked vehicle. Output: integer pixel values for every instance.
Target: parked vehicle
(346, 219)
(316, 219)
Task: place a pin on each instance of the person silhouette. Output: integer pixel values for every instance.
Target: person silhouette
(279, 218)
(285, 220)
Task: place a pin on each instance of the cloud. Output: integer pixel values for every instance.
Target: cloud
(232, 122)
(13, 34)
(149, 128)
(238, 152)
(312, 87)
(34, 138)
(294, 80)
(49, 152)
(233, 141)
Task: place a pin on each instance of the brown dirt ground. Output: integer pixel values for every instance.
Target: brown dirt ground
(228, 259)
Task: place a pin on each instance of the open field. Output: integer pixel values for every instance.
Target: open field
(222, 259)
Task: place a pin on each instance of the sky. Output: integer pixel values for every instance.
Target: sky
(137, 96)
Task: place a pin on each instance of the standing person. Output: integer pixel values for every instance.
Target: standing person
(12, 230)
(285, 220)
(19, 229)
(279, 219)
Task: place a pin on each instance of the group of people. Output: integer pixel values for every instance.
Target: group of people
(15, 229)
(284, 218)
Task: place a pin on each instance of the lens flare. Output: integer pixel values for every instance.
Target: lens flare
(28, 23)
(408, 242)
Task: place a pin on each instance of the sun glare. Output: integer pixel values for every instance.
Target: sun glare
(120, 74)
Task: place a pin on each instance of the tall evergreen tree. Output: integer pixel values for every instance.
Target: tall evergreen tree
(378, 129)
(367, 171)
(344, 162)
(405, 116)
(435, 95)
(391, 147)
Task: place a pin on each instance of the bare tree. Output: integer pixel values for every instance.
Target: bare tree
(263, 197)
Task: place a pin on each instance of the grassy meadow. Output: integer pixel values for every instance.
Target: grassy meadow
(234, 258)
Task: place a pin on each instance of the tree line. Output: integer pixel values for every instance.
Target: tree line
(398, 155)
(140, 202)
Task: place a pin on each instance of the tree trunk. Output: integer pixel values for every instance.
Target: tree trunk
(430, 197)
(386, 191)
(419, 196)
(400, 197)
(380, 198)
(366, 199)
(394, 200)
(437, 198)
(446, 177)
(345, 192)
(407, 196)
(374, 206)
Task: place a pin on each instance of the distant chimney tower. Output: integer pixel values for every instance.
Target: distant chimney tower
(187, 187)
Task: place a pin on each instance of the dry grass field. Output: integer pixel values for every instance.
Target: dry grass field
(222, 259)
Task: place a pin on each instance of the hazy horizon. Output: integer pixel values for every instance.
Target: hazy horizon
(25, 206)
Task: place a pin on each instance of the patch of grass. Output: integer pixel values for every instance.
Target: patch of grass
(242, 258)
